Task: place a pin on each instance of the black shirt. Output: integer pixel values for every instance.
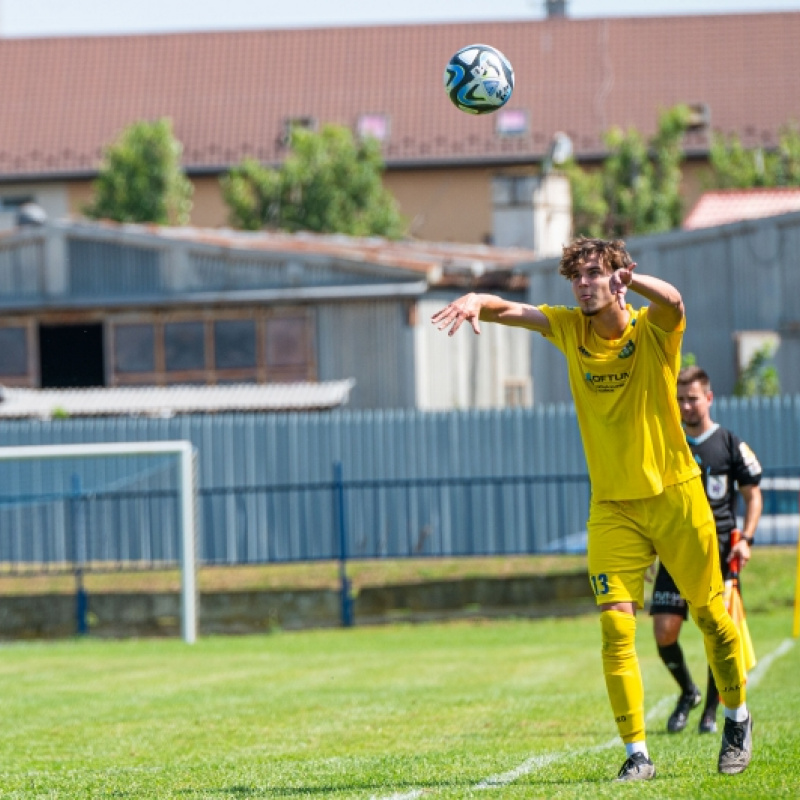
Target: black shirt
(726, 462)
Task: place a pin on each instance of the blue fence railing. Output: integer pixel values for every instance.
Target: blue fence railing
(325, 520)
(396, 518)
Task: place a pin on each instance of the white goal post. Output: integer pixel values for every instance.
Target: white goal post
(184, 450)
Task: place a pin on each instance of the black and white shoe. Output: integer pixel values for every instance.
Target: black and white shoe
(737, 746)
(708, 722)
(637, 767)
(680, 716)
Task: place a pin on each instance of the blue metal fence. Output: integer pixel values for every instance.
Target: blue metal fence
(413, 484)
(395, 518)
(335, 519)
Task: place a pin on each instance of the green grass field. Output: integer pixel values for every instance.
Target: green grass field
(509, 709)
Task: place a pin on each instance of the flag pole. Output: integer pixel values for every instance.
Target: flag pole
(796, 622)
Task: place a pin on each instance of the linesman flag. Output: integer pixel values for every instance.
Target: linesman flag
(733, 602)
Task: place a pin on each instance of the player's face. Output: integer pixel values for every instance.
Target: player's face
(590, 286)
(695, 404)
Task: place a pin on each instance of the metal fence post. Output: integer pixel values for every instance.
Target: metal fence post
(79, 538)
(341, 526)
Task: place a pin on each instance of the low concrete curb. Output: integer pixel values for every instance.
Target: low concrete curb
(126, 615)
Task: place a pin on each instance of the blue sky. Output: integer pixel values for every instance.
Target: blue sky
(71, 17)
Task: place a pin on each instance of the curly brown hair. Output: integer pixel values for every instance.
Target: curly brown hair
(613, 255)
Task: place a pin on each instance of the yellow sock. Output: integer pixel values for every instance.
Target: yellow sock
(723, 650)
(621, 670)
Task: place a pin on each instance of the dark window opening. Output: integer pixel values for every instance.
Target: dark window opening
(235, 344)
(71, 356)
(14, 203)
(13, 352)
(134, 348)
(184, 346)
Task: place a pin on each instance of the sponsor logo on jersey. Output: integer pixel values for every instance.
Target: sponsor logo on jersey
(717, 486)
(607, 383)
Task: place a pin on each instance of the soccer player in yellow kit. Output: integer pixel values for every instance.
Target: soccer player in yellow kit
(647, 496)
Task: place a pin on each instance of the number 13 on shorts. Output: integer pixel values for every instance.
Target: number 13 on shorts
(599, 583)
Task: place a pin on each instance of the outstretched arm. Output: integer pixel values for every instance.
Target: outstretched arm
(488, 307)
(666, 304)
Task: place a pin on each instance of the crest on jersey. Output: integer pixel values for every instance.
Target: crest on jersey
(717, 487)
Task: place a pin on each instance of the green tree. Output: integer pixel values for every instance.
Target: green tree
(141, 179)
(252, 193)
(788, 169)
(734, 166)
(589, 204)
(637, 189)
(760, 376)
(328, 183)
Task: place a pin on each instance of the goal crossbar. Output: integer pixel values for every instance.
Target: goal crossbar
(185, 452)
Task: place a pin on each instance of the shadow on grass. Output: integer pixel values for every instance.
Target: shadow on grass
(318, 791)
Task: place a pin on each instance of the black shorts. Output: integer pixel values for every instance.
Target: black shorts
(666, 597)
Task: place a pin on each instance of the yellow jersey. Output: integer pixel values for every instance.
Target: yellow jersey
(625, 393)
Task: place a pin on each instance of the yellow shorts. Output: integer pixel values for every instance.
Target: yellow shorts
(626, 535)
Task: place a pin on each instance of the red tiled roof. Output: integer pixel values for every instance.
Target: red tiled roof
(228, 94)
(732, 205)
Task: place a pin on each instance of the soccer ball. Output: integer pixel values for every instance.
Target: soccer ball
(479, 79)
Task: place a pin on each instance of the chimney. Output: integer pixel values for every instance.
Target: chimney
(555, 9)
(534, 212)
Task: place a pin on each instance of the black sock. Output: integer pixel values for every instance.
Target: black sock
(712, 695)
(672, 656)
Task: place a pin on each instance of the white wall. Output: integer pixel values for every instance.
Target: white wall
(468, 371)
(52, 197)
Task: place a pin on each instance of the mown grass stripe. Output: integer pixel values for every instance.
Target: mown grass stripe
(760, 669)
(537, 762)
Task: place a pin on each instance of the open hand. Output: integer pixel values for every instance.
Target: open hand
(467, 308)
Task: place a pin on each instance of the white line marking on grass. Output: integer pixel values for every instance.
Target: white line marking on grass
(756, 676)
(526, 767)
(504, 778)
(535, 762)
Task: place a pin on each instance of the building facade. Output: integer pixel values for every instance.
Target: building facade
(66, 99)
(102, 305)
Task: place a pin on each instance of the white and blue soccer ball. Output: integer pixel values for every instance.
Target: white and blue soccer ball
(479, 79)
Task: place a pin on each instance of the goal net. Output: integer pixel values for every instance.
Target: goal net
(95, 507)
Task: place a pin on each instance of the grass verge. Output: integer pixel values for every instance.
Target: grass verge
(389, 712)
(768, 580)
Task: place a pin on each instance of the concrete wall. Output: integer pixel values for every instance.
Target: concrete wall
(129, 615)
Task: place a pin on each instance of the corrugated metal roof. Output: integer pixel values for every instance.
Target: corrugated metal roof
(441, 263)
(733, 205)
(230, 94)
(172, 400)
(408, 254)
